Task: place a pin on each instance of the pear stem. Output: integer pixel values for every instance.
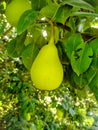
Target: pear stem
(52, 32)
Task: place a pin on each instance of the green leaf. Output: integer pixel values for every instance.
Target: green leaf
(71, 23)
(79, 4)
(29, 54)
(73, 41)
(11, 48)
(16, 46)
(94, 66)
(94, 85)
(81, 58)
(38, 4)
(80, 80)
(92, 77)
(27, 18)
(49, 1)
(92, 74)
(71, 111)
(86, 14)
(94, 45)
(50, 11)
(84, 25)
(56, 34)
(63, 13)
(37, 33)
(82, 93)
(1, 7)
(91, 2)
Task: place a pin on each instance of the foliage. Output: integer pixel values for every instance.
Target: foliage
(73, 105)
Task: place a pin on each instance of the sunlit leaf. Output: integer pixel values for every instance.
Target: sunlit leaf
(49, 11)
(79, 4)
(86, 14)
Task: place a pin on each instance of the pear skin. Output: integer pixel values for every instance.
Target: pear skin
(46, 70)
(15, 9)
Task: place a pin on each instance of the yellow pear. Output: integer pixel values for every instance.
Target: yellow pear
(46, 70)
(15, 9)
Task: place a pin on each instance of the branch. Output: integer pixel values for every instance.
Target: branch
(64, 27)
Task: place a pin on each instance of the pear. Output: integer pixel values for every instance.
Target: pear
(15, 9)
(46, 70)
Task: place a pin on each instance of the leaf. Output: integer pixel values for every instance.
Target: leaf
(63, 13)
(81, 58)
(71, 111)
(65, 105)
(38, 4)
(86, 14)
(94, 85)
(82, 93)
(80, 80)
(79, 4)
(1, 7)
(91, 2)
(56, 34)
(71, 23)
(27, 18)
(84, 25)
(73, 41)
(29, 54)
(11, 48)
(94, 45)
(16, 46)
(50, 11)
(92, 77)
(49, 1)
(92, 74)
(37, 33)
